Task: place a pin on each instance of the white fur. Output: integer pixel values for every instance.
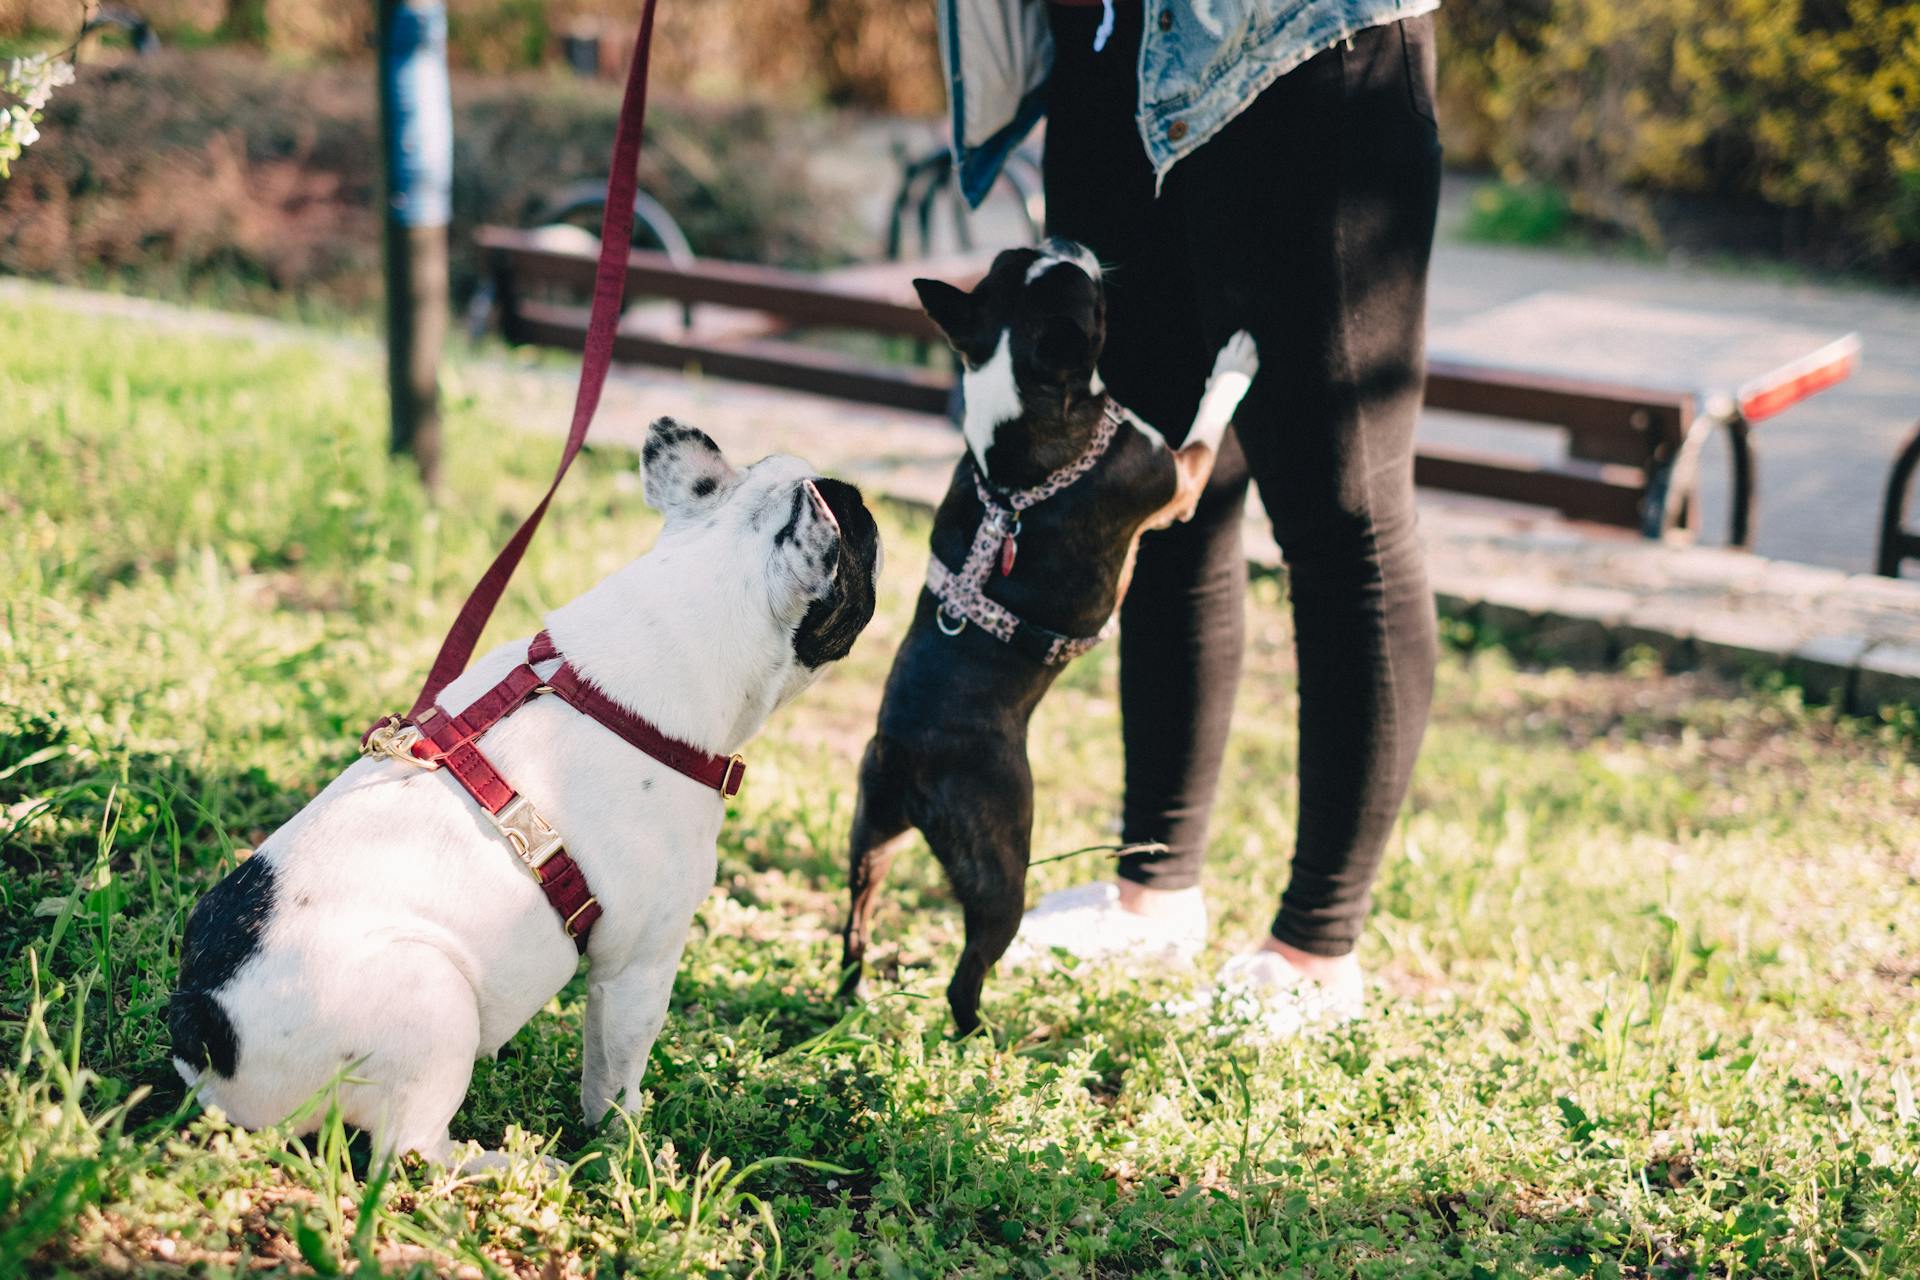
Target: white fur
(1056, 251)
(406, 939)
(992, 396)
(1233, 370)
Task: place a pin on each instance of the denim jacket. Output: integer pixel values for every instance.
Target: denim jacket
(1201, 61)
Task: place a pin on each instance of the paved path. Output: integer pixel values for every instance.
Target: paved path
(1823, 463)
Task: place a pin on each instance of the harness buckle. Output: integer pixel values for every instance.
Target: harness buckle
(733, 775)
(533, 841)
(940, 620)
(578, 911)
(393, 738)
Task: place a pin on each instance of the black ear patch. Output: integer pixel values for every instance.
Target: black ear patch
(680, 465)
(954, 310)
(223, 933)
(834, 621)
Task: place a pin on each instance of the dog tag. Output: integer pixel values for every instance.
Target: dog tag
(1007, 548)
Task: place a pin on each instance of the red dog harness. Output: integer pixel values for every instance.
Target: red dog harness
(430, 738)
(439, 740)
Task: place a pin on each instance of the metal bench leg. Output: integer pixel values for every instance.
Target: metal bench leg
(1673, 485)
(1673, 488)
(1896, 544)
(1745, 488)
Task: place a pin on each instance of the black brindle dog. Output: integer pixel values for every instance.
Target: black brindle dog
(1032, 549)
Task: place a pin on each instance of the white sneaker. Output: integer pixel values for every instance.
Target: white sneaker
(1261, 991)
(1088, 923)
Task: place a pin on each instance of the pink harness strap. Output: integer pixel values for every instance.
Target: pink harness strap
(963, 593)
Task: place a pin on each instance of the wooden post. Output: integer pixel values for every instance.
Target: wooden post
(416, 129)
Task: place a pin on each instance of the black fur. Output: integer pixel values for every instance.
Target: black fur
(223, 933)
(827, 632)
(785, 533)
(949, 756)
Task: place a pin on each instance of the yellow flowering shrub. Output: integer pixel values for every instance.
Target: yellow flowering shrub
(1812, 106)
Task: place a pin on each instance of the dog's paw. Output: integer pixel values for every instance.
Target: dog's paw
(1238, 355)
(472, 1161)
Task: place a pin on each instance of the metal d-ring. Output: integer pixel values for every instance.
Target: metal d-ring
(940, 620)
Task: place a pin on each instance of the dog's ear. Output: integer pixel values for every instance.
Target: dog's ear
(683, 467)
(1065, 347)
(954, 310)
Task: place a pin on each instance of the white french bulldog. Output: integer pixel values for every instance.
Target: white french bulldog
(389, 931)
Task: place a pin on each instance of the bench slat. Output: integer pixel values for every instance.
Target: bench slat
(773, 364)
(798, 297)
(1604, 493)
(1606, 422)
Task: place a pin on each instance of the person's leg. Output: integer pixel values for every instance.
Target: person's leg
(1181, 627)
(1310, 222)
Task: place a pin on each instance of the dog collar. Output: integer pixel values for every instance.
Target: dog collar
(962, 593)
(441, 740)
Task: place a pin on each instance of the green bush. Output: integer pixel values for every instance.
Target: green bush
(1810, 106)
(1524, 213)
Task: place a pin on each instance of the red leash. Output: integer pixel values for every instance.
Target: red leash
(609, 291)
(427, 735)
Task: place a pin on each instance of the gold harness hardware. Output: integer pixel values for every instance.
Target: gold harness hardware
(533, 841)
(392, 740)
(568, 926)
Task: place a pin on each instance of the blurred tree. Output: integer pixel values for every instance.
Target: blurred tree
(245, 22)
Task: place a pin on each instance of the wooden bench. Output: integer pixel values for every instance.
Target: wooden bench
(1632, 451)
(1631, 459)
(539, 292)
(1899, 542)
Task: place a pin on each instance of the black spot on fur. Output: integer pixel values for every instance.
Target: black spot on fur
(835, 620)
(784, 534)
(646, 784)
(223, 933)
(704, 486)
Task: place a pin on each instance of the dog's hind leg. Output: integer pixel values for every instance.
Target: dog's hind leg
(418, 1070)
(980, 826)
(879, 829)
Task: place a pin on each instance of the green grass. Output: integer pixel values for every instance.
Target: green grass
(1647, 948)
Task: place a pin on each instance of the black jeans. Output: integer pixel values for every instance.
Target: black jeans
(1307, 220)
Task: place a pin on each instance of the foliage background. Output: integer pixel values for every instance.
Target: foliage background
(1808, 109)
(1787, 127)
(217, 174)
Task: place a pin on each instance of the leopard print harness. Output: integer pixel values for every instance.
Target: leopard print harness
(962, 593)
